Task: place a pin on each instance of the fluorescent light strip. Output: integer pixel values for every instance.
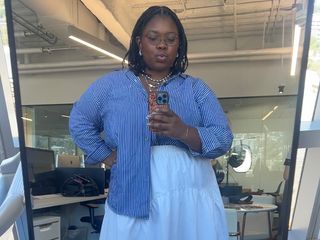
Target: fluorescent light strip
(27, 119)
(296, 39)
(269, 113)
(64, 116)
(96, 48)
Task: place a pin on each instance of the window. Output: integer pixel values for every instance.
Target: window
(266, 125)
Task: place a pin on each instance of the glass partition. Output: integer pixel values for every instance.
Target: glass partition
(46, 126)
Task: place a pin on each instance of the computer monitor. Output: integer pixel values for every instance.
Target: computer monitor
(39, 161)
(68, 161)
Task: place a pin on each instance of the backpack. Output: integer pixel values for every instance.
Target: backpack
(79, 186)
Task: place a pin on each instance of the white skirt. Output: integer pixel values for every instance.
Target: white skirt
(185, 202)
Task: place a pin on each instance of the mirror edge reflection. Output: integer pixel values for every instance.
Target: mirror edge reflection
(20, 123)
(18, 106)
(296, 131)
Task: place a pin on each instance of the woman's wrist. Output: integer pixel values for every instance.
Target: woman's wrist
(190, 137)
(185, 133)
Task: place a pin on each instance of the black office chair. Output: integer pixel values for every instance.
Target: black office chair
(276, 193)
(95, 221)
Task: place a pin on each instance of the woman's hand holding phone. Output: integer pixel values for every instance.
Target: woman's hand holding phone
(161, 119)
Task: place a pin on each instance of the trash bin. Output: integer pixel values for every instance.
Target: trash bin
(76, 233)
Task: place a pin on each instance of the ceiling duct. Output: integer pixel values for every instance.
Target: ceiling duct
(38, 30)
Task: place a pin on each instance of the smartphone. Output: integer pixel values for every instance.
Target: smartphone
(158, 99)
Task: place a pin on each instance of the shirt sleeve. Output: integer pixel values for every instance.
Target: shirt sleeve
(215, 134)
(86, 126)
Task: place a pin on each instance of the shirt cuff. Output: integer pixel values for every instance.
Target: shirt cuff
(98, 155)
(211, 146)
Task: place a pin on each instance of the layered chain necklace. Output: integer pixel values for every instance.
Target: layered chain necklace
(154, 84)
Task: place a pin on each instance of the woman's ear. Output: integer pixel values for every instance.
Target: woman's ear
(138, 41)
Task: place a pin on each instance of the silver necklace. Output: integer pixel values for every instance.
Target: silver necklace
(162, 80)
(154, 84)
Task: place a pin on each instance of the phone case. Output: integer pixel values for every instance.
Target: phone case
(158, 99)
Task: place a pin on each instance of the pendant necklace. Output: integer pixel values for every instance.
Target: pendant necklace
(154, 84)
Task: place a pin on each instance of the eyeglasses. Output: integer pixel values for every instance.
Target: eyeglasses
(155, 39)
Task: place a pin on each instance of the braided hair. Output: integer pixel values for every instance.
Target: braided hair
(136, 62)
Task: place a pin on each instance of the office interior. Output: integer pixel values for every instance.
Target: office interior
(259, 57)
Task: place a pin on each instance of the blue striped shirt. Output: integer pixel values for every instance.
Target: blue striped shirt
(116, 104)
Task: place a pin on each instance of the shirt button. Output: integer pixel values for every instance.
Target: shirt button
(146, 138)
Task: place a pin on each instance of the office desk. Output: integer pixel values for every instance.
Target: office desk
(52, 200)
(253, 208)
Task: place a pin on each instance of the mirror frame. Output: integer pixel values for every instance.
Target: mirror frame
(18, 106)
(286, 210)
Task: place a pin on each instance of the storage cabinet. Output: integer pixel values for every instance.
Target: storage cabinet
(46, 228)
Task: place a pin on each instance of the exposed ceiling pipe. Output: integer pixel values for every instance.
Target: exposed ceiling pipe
(269, 19)
(68, 69)
(263, 34)
(100, 62)
(237, 59)
(275, 18)
(283, 11)
(24, 34)
(37, 68)
(235, 24)
(242, 55)
(45, 35)
(43, 50)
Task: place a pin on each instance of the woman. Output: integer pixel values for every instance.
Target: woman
(162, 184)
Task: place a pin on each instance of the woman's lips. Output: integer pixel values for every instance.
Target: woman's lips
(161, 57)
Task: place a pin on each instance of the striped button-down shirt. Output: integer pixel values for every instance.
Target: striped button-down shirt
(116, 105)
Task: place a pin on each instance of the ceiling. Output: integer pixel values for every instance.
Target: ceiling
(42, 28)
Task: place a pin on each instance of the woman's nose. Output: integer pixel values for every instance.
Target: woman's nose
(162, 44)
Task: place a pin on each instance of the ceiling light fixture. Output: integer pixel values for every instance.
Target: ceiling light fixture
(90, 41)
(269, 113)
(27, 119)
(64, 116)
(295, 48)
(281, 88)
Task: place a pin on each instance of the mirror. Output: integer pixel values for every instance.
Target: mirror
(242, 49)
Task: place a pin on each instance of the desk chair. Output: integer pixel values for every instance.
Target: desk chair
(276, 193)
(277, 201)
(95, 221)
(12, 206)
(232, 223)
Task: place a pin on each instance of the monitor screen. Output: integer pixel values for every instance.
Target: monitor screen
(39, 161)
(68, 161)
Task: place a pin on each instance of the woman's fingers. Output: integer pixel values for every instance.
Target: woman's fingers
(111, 159)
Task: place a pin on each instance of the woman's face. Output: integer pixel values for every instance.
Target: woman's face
(159, 44)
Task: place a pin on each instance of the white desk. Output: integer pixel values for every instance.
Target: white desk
(253, 208)
(52, 200)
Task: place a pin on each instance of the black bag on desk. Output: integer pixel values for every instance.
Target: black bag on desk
(79, 186)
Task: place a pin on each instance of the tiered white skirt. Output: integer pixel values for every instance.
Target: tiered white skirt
(185, 202)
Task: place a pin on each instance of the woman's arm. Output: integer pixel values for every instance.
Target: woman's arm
(215, 134)
(86, 125)
(212, 139)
